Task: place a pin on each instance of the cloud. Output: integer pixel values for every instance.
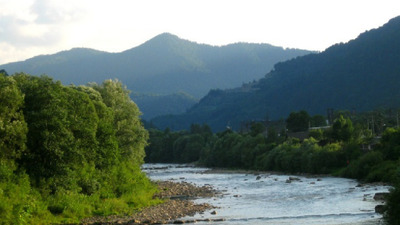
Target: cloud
(33, 27)
(22, 33)
(36, 24)
(56, 12)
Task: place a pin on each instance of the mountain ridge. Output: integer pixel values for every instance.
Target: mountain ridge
(360, 75)
(163, 65)
(164, 56)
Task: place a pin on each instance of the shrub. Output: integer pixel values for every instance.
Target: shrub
(361, 167)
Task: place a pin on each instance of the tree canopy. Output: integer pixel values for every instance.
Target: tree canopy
(69, 152)
(298, 121)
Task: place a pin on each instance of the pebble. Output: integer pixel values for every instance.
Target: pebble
(168, 212)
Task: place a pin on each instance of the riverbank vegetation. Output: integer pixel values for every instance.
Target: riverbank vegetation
(68, 152)
(361, 146)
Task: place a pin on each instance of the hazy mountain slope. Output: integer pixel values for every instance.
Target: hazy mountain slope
(360, 75)
(163, 65)
(157, 105)
(72, 66)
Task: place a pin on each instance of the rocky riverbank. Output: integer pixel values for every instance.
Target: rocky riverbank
(177, 204)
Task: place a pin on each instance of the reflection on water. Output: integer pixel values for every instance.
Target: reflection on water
(278, 199)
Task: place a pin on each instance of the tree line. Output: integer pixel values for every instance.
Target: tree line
(346, 148)
(69, 152)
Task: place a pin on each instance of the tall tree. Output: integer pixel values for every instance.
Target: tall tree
(62, 125)
(13, 128)
(107, 151)
(342, 129)
(298, 121)
(130, 133)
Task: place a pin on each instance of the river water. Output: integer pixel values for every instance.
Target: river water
(265, 198)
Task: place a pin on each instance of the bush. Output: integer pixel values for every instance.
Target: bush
(383, 172)
(317, 134)
(360, 168)
(19, 203)
(392, 204)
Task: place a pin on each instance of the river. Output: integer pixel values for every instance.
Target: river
(265, 198)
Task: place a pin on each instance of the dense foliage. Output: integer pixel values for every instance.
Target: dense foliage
(361, 75)
(69, 152)
(180, 147)
(363, 150)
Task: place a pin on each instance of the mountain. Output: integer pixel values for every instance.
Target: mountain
(360, 75)
(157, 105)
(163, 65)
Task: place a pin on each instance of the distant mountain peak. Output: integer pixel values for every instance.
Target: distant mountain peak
(167, 35)
(165, 39)
(163, 65)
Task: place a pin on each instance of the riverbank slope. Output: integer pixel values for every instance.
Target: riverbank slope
(177, 204)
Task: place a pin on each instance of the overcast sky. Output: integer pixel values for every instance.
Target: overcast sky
(33, 27)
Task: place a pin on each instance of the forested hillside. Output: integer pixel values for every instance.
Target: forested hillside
(360, 75)
(157, 105)
(163, 65)
(69, 152)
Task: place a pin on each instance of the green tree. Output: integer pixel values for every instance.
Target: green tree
(272, 135)
(390, 144)
(298, 121)
(393, 207)
(317, 134)
(4, 72)
(66, 139)
(188, 147)
(342, 129)
(129, 131)
(107, 151)
(13, 128)
(250, 148)
(223, 152)
(154, 150)
(317, 121)
(257, 128)
(48, 136)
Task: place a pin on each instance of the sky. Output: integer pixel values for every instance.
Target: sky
(35, 27)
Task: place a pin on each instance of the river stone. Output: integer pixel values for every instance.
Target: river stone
(294, 178)
(380, 209)
(380, 196)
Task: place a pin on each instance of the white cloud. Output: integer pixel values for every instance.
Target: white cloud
(28, 28)
(33, 27)
(56, 12)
